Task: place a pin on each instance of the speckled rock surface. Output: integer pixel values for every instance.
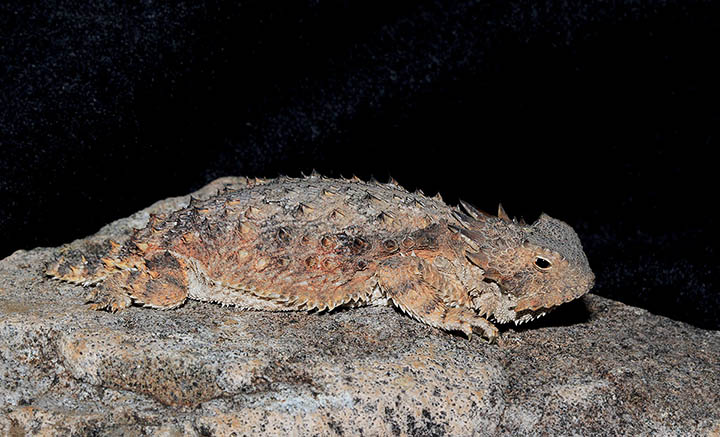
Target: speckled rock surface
(593, 367)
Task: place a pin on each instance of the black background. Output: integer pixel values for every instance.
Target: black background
(603, 114)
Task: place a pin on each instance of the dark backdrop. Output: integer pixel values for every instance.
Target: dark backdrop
(599, 113)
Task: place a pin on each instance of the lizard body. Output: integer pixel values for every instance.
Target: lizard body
(316, 243)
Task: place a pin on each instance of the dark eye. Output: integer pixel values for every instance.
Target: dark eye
(542, 263)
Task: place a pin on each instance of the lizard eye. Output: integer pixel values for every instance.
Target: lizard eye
(542, 263)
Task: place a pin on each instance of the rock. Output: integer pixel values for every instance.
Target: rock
(592, 367)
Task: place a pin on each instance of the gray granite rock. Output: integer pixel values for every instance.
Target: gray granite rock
(593, 367)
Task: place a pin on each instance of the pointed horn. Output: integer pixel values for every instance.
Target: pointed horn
(472, 211)
(470, 237)
(502, 214)
(465, 220)
(393, 182)
(478, 258)
(469, 241)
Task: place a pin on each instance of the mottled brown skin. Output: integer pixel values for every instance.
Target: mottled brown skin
(317, 244)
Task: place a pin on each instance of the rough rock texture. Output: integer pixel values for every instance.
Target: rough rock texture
(592, 367)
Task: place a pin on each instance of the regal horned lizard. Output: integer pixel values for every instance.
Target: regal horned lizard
(316, 243)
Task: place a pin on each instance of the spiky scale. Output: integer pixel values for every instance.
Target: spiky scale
(316, 244)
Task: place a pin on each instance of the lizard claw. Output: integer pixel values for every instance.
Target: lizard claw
(103, 299)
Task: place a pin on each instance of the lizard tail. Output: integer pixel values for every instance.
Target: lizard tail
(91, 265)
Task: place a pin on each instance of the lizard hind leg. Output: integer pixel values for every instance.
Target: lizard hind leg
(404, 284)
(162, 283)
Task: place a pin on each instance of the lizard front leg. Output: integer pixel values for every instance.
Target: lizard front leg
(408, 283)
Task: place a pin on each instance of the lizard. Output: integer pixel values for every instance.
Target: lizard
(315, 244)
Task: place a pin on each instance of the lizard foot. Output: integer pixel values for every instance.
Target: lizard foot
(103, 298)
(462, 319)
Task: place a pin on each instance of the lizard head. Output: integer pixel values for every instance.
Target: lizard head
(535, 267)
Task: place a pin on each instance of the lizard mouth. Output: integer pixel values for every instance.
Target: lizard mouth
(542, 302)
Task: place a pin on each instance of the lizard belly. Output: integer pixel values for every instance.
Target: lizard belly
(204, 288)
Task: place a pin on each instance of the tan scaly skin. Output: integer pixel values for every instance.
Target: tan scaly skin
(316, 244)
